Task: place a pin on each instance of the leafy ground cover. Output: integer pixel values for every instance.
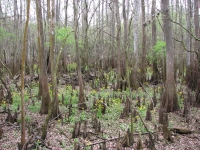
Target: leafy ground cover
(103, 125)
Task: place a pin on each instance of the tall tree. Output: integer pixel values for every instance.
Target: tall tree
(126, 44)
(143, 68)
(118, 45)
(133, 75)
(155, 75)
(66, 14)
(53, 110)
(196, 58)
(57, 11)
(22, 77)
(81, 102)
(170, 100)
(112, 33)
(189, 45)
(43, 78)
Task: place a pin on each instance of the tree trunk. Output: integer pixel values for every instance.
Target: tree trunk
(170, 101)
(155, 76)
(53, 110)
(43, 78)
(133, 76)
(196, 59)
(66, 14)
(81, 102)
(22, 78)
(118, 39)
(143, 68)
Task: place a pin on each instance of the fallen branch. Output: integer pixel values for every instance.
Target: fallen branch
(181, 130)
(117, 138)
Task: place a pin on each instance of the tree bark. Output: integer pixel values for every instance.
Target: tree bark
(22, 77)
(170, 100)
(81, 102)
(155, 75)
(134, 72)
(43, 78)
(143, 68)
(66, 13)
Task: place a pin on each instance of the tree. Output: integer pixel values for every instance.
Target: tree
(53, 107)
(22, 78)
(155, 75)
(81, 102)
(170, 101)
(133, 75)
(66, 14)
(143, 68)
(189, 45)
(43, 78)
(118, 46)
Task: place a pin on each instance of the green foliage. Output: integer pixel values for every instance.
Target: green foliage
(159, 51)
(181, 99)
(159, 48)
(83, 115)
(65, 35)
(34, 108)
(71, 67)
(5, 34)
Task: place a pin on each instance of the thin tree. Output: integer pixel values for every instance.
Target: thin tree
(170, 100)
(22, 77)
(189, 45)
(118, 42)
(81, 102)
(143, 68)
(53, 110)
(66, 14)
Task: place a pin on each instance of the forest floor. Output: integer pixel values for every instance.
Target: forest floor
(112, 127)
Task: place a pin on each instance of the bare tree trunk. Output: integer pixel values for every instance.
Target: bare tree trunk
(143, 68)
(112, 33)
(66, 13)
(22, 78)
(57, 11)
(118, 48)
(81, 102)
(170, 100)
(126, 44)
(53, 110)
(196, 59)
(133, 76)
(15, 66)
(43, 78)
(155, 75)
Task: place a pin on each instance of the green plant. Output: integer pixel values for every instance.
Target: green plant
(37, 144)
(140, 127)
(65, 35)
(34, 108)
(71, 67)
(180, 99)
(159, 51)
(99, 113)
(124, 126)
(83, 115)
